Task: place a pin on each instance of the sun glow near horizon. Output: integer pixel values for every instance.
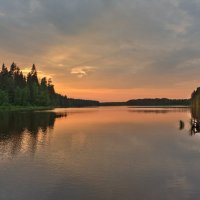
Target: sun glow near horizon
(114, 95)
(106, 50)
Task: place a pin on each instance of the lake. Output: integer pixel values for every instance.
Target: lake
(106, 153)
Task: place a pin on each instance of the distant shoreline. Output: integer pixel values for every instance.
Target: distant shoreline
(134, 103)
(43, 108)
(147, 102)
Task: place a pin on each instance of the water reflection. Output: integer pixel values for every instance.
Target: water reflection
(181, 125)
(159, 110)
(194, 126)
(98, 153)
(195, 121)
(24, 131)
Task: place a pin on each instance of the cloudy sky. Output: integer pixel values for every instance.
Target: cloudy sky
(106, 49)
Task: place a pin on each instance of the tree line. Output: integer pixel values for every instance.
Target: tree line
(195, 98)
(150, 102)
(20, 90)
(159, 102)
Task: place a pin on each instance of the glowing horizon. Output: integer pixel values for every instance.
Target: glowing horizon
(106, 50)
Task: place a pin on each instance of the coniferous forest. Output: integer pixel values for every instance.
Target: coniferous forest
(20, 90)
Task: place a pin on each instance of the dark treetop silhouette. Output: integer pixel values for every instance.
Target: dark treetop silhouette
(20, 90)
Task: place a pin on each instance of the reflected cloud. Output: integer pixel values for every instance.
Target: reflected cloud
(109, 154)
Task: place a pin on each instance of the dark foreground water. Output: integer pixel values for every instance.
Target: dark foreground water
(114, 153)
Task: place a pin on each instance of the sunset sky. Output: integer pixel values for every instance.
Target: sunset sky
(108, 50)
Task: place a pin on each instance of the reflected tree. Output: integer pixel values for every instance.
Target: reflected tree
(195, 121)
(18, 129)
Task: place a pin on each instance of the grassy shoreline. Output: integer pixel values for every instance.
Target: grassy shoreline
(24, 108)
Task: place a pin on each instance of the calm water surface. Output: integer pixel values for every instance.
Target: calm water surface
(113, 153)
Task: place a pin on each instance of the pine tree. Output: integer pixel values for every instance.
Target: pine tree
(17, 89)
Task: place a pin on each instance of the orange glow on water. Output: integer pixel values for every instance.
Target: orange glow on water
(108, 115)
